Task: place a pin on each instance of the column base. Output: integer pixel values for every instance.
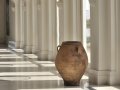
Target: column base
(17, 44)
(46, 55)
(51, 55)
(99, 77)
(104, 77)
(43, 55)
(28, 49)
(21, 44)
(34, 49)
(114, 78)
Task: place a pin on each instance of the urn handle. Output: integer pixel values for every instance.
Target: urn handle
(58, 47)
(78, 50)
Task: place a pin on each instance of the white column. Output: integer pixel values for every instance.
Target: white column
(22, 23)
(43, 32)
(117, 43)
(39, 23)
(52, 32)
(28, 33)
(35, 26)
(60, 21)
(68, 21)
(104, 42)
(72, 20)
(77, 20)
(17, 23)
(112, 33)
(99, 61)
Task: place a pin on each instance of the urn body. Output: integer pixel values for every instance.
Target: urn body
(71, 62)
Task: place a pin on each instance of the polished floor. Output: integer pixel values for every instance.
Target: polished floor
(20, 71)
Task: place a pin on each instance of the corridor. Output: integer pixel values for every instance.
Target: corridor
(19, 71)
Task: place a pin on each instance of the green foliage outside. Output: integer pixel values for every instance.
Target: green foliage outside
(88, 23)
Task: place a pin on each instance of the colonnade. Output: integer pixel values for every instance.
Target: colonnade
(33, 25)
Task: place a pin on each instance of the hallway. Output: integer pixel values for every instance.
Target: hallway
(32, 30)
(20, 71)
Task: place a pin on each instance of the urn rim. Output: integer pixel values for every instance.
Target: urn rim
(71, 42)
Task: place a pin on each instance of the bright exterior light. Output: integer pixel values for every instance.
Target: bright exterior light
(106, 88)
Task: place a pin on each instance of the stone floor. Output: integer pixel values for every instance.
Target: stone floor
(20, 71)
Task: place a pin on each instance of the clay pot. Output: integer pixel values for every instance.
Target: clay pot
(71, 62)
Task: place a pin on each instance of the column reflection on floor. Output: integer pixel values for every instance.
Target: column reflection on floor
(20, 71)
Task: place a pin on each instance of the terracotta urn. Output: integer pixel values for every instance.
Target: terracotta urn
(71, 62)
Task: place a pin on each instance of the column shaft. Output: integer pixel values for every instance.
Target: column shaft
(28, 33)
(68, 21)
(17, 24)
(77, 20)
(72, 20)
(117, 41)
(43, 32)
(35, 26)
(99, 61)
(22, 23)
(52, 32)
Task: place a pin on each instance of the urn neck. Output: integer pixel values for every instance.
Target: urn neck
(71, 43)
